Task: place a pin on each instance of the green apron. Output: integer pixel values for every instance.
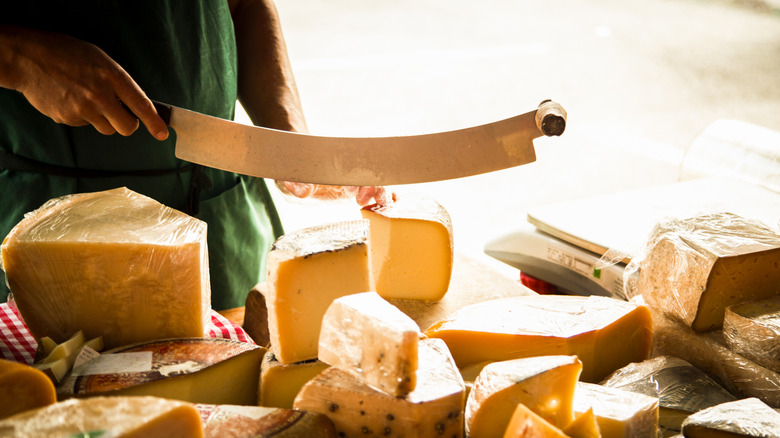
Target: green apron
(180, 52)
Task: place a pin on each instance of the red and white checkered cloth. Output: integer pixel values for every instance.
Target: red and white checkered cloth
(17, 344)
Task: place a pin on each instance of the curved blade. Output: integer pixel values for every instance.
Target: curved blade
(366, 161)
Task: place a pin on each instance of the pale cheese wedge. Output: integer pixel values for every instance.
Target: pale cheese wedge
(22, 388)
(280, 383)
(584, 426)
(619, 413)
(525, 423)
(746, 418)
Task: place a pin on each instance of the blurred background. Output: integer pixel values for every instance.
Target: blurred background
(639, 79)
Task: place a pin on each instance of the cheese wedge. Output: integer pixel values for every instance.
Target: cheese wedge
(584, 426)
(121, 417)
(280, 383)
(307, 270)
(693, 269)
(681, 388)
(196, 370)
(605, 333)
(256, 315)
(434, 408)
(752, 329)
(545, 384)
(365, 335)
(748, 417)
(22, 388)
(411, 248)
(525, 423)
(237, 421)
(619, 413)
(114, 264)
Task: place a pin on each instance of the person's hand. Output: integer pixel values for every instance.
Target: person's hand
(363, 195)
(75, 83)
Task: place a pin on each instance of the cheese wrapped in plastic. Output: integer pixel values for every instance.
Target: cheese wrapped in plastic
(115, 264)
(742, 418)
(752, 329)
(692, 269)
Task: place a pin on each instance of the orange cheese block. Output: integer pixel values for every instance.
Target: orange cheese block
(605, 333)
(22, 388)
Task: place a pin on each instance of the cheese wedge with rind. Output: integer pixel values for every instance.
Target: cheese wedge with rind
(749, 418)
(605, 333)
(411, 248)
(280, 383)
(22, 388)
(619, 413)
(545, 384)
(237, 421)
(115, 264)
(525, 423)
(752, 329)
(122, 417)
(367, 336)
(307, 270)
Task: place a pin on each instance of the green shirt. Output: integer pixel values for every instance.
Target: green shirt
(182, 53)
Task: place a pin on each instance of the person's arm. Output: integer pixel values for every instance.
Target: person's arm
(74, 82)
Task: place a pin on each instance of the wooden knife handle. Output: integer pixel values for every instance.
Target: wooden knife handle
(551, 118)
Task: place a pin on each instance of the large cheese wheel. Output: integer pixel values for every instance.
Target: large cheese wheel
(23, 387)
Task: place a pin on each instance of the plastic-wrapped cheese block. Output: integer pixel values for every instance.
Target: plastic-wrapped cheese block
(749, 418)
(692, 269)
(411, 248)
(365, 335)
(619, 413)
(434, 408)
(205, 370)
(280, 383)
(115, 264)
(307, 270)
(752, 329)
(525, 423)
(681, 388)
(121, 417)
(22, 388)
(605, 333)
(544, 384)
(236, 421)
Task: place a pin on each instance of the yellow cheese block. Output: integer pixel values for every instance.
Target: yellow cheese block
(692, 269)
(752, 329)
(525, 423)
(545, 384)
(236, 421)
(365, 335)
(307, 270)
(605, 333)
(619, 413)
(114, 264)
(196, 370)
(22, 388)
(411, 248)
(434, 408)
(121, 417)
(280, 383)
(584, 426)
(748, 418)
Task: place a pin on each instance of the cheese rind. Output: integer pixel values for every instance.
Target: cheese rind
(434, 408)
(307, 270)
(742, 418)
(605, 333)
(525, 423)
(22, 388)
(752, 329)
(115, 264)
(125, 417)
(280, 383)
(545, 384)
(619, 413)
(236, 421)
(411, 248)
(365, 335)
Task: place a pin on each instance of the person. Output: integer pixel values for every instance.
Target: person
(76, 83)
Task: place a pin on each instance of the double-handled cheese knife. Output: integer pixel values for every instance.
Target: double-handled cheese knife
(360, 161)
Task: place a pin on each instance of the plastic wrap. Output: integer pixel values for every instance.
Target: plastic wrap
(752, 330)
(692, 269)
(115, 264)
(747, 418)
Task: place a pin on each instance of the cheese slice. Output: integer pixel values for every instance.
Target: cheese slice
(434, 408)
(197, 370)
(619, 413)
(365, 335)
(121, 417)
(22, 388)
(545, 384)
(411, 248)
(605, 333)
(114, 264)
(584, 426)
(236, 421)
(280, 383)
(681, 388)
(307, 270)
(752, 329)
(525, 423)
(692, 269)
(748, 417)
